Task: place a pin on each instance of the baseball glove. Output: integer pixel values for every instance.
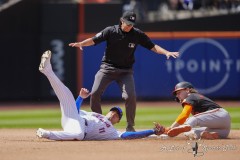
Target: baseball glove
(159, 129)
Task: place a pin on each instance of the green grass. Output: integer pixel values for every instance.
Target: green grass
(47, 118)
(145, 116)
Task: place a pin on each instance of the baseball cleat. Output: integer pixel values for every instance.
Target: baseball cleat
(177, 130)
(45, 60)
(41, 133)
(130, 129)
(209, 135)
(191, 135)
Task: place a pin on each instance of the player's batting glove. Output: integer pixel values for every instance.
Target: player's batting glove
(159, 129)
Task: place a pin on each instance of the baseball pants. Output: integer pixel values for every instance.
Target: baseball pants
(73, 125)
(125, 81)
(216, 120)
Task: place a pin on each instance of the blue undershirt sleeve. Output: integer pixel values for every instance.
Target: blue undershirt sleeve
(137, 135)
(79, 101)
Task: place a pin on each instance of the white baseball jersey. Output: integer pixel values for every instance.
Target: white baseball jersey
(83, 126)
(98, 127)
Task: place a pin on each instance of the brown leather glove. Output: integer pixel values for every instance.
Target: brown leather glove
(159, 129)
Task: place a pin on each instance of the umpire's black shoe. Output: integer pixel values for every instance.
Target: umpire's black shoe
(130, 129)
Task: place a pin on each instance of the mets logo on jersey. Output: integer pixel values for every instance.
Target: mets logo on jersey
(131, 45)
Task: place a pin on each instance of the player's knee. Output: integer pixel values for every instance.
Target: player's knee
(224, 134)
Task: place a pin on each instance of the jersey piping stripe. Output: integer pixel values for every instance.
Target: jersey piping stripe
(207, 112)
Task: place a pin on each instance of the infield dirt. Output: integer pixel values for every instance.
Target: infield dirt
(23, 144)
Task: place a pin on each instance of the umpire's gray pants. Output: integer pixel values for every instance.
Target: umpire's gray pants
(125, 80)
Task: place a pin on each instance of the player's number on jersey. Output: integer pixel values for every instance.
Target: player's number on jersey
(101, 130)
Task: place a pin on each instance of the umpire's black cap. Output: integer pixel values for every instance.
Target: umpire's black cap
(129, 17)
(182, 85)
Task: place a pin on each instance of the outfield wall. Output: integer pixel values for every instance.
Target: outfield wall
(209, 60)
(30, 27)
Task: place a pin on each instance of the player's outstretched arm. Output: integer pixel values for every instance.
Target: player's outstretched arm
(79, 101)
(84, 93)
(137, 135)
(158, 130)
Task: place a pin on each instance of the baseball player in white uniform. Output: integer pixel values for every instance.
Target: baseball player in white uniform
(81, 125)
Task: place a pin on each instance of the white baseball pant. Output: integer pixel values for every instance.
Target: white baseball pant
(73, 125)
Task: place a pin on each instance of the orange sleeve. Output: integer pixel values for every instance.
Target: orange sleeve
(187, 109)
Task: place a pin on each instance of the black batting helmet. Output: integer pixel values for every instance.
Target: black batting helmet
(182, 85)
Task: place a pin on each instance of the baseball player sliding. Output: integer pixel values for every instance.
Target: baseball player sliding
(81, 125)
(209, 120)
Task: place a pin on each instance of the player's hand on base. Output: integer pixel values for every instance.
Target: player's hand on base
(84, 93)
(167, 129)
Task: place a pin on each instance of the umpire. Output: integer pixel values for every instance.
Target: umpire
(117, 62)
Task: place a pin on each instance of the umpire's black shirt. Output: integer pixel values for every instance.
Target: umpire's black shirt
(119, 52)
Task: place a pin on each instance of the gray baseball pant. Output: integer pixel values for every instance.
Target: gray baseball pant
(217, 120)
(125, 81)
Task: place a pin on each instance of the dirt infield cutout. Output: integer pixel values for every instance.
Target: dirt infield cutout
(23, 144)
